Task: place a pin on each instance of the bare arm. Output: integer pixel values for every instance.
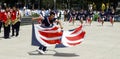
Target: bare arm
(38, 18)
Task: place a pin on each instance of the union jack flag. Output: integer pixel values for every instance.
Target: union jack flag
(54, 35)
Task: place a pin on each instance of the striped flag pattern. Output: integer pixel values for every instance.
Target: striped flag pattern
(72, 38)
(53, 35)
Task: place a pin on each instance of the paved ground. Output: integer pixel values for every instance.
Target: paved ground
(101, 42)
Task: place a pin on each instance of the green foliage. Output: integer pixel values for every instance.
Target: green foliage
(35, 15)
(95, 17)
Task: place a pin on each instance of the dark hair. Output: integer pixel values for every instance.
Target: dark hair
(52, 13)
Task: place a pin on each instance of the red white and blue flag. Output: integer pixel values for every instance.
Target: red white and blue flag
(54, 35)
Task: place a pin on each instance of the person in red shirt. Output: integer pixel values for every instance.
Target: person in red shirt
(6, 22)
(15, 18)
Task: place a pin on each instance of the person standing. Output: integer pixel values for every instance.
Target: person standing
(81, 16)
(102, 16)
(0, 19)
(90, 16)
(73, 15)
(15, 18)
(112, 14)
(6, 22)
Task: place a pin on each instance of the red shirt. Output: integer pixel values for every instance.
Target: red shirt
(13, 15)
(5, 16)
(1, 15)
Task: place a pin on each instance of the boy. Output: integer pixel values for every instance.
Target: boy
(47, 22)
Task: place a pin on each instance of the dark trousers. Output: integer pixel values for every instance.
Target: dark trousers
(15, 28)
(0, 25)
(6, 31)
(42, 48)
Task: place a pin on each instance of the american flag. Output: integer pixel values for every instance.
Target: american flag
(54, 35)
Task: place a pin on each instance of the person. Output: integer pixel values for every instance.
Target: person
(15, 18)
(112, 14)
(81, 16)
(90, 16)
(73, 15)
(43, 12)
(47, 22)
(103, 16)
(6, 22)
(0, 19)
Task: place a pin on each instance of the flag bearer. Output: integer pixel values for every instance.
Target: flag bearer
(47, 22)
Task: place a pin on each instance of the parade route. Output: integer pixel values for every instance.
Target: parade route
(101, 42)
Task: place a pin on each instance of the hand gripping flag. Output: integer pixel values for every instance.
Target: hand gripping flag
(53, 35)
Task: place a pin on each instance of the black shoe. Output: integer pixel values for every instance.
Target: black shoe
(7, 37)
(16, 35)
